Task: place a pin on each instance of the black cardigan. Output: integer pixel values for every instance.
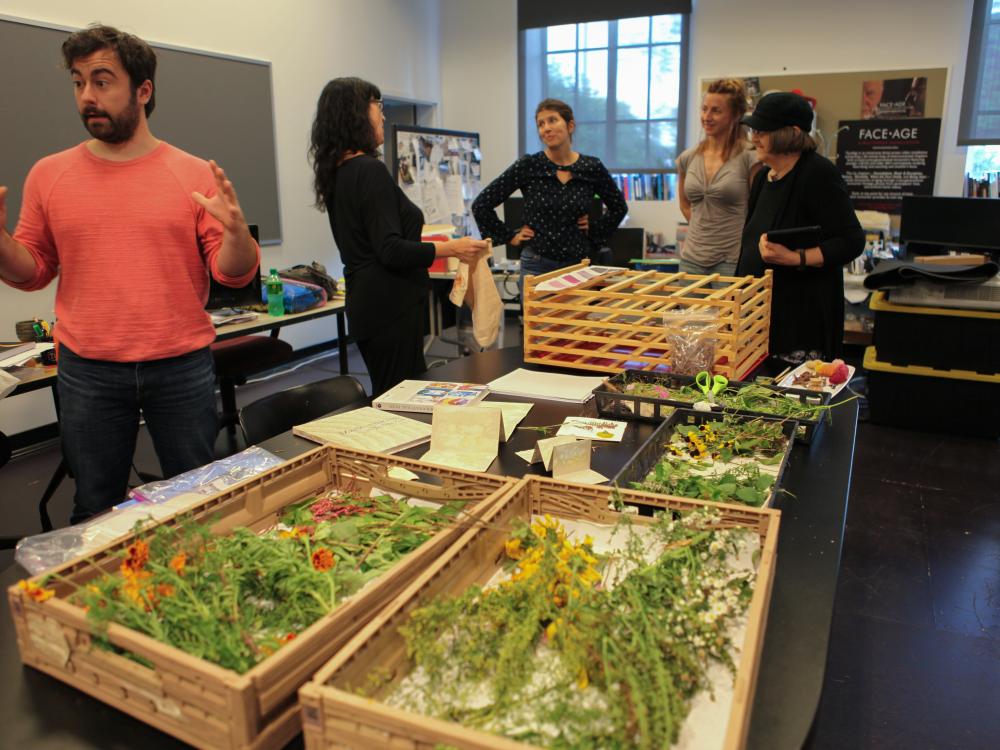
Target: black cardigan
(377, 231)
(807, 306)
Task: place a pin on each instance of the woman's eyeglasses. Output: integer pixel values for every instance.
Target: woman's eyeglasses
(381, 105)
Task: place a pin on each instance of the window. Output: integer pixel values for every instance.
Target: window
(624, 79)
(980, 120)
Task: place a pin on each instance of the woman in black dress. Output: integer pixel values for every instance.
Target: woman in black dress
(799, 188)
(377, 230)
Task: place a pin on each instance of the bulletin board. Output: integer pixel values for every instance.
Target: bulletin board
(839, 95)
(441, 172)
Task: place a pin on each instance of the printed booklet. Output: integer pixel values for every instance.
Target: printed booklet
(424, 395)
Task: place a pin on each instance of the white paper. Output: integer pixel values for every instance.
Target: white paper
(511, 414)
(7, 383)
(575, 278)
(464, 437)
(571, 462)
(19, 359)
(547, 385)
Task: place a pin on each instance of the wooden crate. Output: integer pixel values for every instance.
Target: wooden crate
(199, 702)
(334, 717)
(614, 323)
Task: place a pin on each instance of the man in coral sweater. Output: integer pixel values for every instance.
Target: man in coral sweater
(132, 226)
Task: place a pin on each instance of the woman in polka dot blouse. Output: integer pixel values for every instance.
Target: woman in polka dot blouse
(559, 186)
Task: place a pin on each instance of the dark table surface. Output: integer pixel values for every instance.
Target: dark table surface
(37, 711)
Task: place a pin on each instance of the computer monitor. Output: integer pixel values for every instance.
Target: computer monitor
(513, 217)
(931, 224)
(220, 296)
(626, 243)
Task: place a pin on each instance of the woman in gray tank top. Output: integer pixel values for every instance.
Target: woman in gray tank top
(714, 182)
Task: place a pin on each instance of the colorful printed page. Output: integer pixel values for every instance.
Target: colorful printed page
(424, 395)
(571, 463)
(575, 278)
(593, 429)
(464, 437)
(511, 413)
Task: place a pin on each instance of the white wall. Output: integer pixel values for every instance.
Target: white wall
(393, 43)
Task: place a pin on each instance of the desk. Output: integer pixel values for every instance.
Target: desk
(38, 711)
(34, 378)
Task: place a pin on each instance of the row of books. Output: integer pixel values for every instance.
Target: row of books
(985, 187)
(646, 186)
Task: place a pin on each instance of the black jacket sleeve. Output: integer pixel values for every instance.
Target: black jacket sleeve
(612, 198)
(379, 203)
(484, 207)
(828, 203)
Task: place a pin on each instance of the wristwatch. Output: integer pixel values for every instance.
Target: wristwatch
(802, 259)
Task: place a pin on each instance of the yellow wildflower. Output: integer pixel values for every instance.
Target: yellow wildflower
(35, 591)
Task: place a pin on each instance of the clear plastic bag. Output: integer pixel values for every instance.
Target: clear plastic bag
(149, 502)
(693, 339)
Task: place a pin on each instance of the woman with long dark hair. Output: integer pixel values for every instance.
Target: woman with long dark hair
(377, 231)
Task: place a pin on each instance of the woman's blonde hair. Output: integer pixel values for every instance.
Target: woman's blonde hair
(736, 97)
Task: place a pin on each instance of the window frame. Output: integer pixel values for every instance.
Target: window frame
(611, 120)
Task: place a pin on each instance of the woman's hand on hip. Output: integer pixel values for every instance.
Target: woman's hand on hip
(524, 233)
(777, 254)
(583, 224)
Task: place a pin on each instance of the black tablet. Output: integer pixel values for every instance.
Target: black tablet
(796, 238)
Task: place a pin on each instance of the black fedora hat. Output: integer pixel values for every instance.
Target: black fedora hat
(778, 110)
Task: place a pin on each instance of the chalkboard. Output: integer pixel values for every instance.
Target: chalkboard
(212, 106)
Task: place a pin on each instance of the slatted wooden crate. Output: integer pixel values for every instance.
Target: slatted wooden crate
(615, 322)
(334, 717)
(199, 702)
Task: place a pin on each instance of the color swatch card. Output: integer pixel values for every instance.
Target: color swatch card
(593, 428)
(571, 463)
(464, 437)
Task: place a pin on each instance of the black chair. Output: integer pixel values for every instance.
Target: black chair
(279, 412)
(235, 360)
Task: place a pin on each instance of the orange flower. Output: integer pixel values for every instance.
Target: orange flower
(134, 588)
(289, 637)
(322, 559)
(165, 589)
(177, 563)
(35, 591)
(136, 556)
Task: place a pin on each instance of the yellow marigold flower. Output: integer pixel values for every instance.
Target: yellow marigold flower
(550, 631)
(177, 563)
(322, 559)
(513, 549)
(35, 591)
(582, 680)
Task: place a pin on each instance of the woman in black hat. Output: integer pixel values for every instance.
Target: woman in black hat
(798, 188)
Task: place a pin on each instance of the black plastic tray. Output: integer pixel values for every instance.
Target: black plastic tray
(639, 466)
(616, 405)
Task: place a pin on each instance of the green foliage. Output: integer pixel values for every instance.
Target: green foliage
(233, 600)
(612, 666)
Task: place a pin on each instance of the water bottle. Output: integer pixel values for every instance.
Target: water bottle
(275, 294)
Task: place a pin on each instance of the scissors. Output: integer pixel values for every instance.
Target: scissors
(710, 385)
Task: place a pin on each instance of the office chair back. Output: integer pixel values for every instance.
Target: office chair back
(279, 412)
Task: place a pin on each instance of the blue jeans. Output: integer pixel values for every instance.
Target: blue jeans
(533, 264)
(100, 403)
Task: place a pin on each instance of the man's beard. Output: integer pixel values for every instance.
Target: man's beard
(117, 129)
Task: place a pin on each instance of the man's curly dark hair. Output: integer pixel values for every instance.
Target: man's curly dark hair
(341, 126)
(135, 55)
